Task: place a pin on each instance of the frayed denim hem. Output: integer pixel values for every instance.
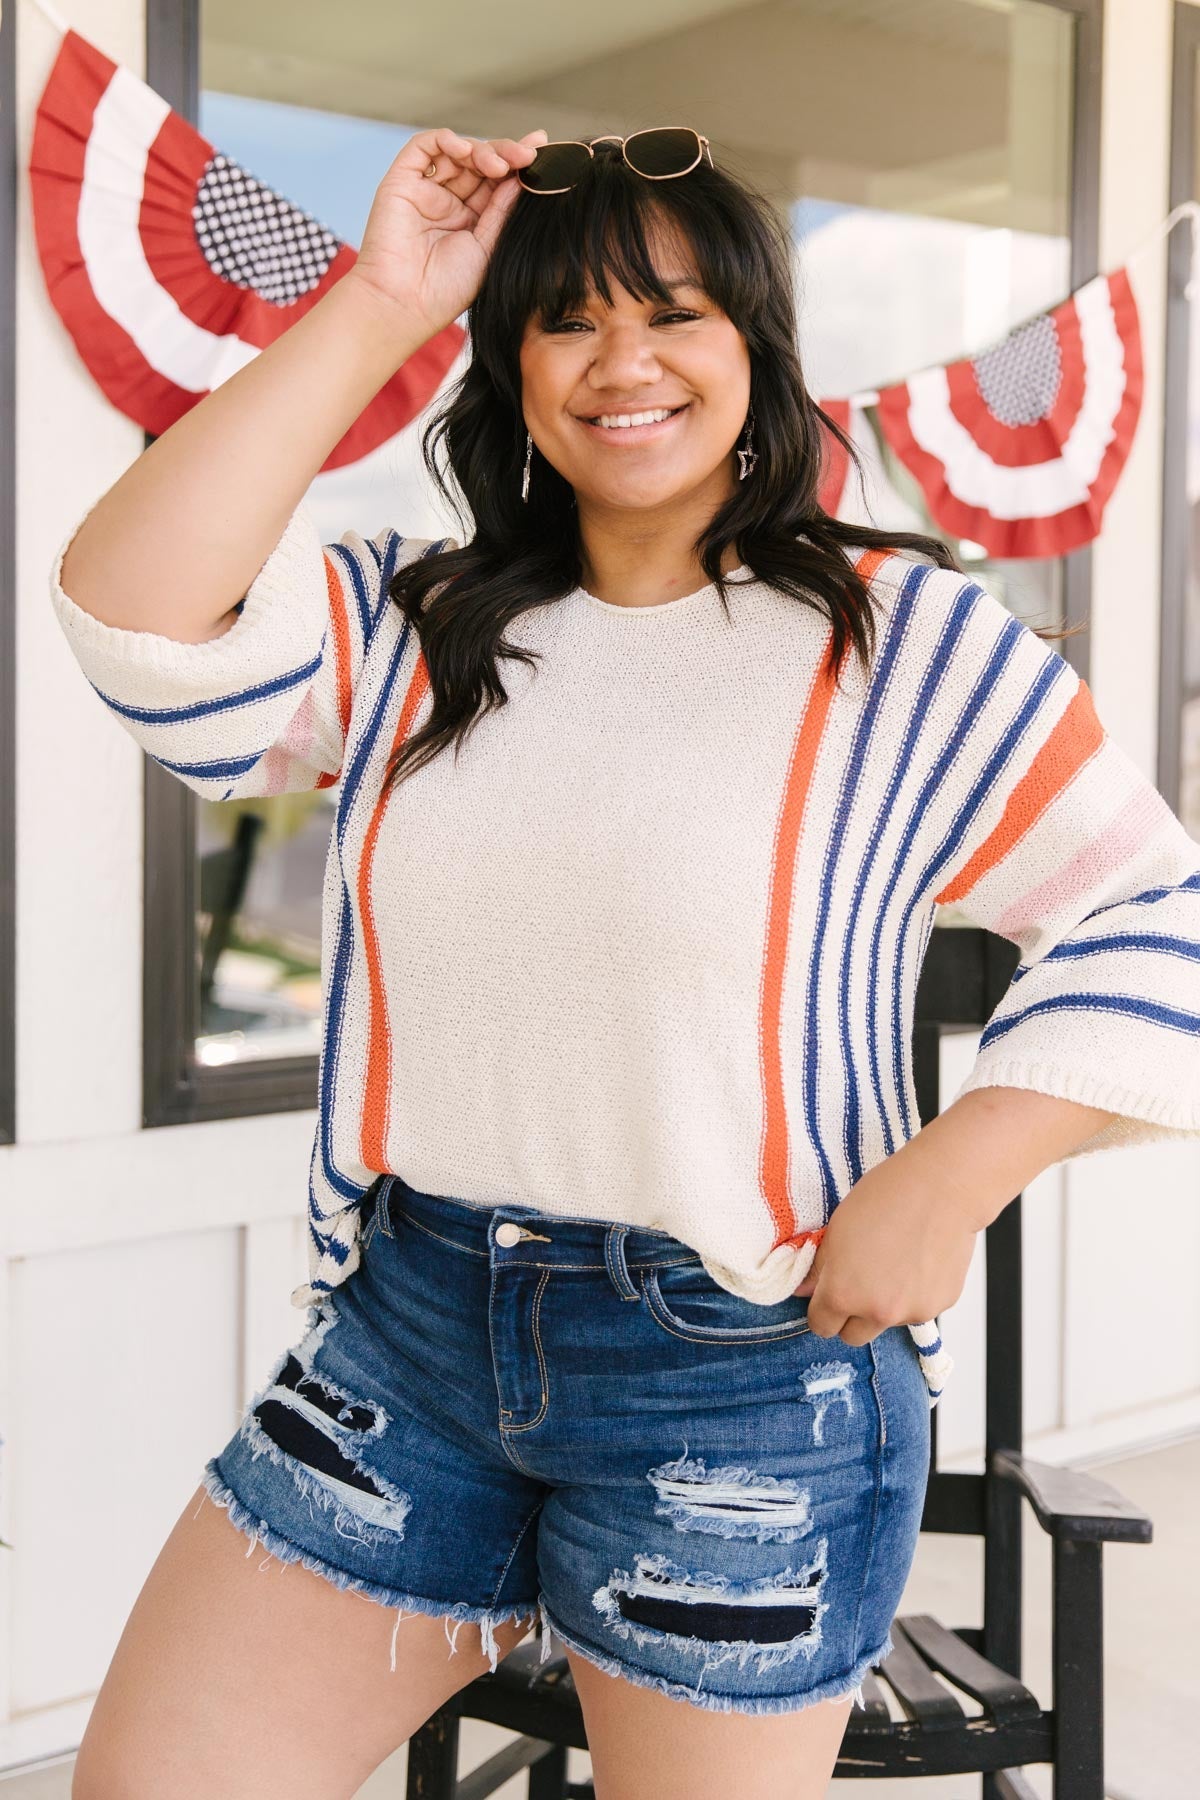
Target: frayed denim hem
(456, 1611)
(839, 1687)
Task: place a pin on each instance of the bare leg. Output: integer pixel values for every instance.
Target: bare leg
(649, 1746)
(258, 1680)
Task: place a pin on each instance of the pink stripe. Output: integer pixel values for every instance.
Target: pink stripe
(1129, 832)
(301, 731)
(273, 771)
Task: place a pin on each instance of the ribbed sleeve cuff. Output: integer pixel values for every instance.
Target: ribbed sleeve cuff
(1144, 1115)
(281, 625)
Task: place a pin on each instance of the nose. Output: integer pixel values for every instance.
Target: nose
(626, 362)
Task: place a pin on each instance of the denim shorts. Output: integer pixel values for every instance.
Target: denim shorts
(503, 1414)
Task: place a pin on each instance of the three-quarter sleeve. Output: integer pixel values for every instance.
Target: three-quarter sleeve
(265, 707)
(1062, 845)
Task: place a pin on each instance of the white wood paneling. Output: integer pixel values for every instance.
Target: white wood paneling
(79, 785)
(124, 1382)
(177, 1178)
(960, 1411)
(1132, 1337)
(270, 1255)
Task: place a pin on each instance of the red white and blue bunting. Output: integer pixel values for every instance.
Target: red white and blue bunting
(1019, 447)
(171, 267)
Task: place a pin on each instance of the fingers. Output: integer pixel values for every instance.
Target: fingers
(465, 164)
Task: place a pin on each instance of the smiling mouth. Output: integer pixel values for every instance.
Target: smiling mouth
(634, 434)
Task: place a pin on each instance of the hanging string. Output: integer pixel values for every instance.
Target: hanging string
(1187, 209)
(55, 18)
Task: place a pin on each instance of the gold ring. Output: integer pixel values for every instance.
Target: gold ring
(431, 170)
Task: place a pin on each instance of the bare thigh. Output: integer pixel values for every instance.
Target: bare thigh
(253, 1679)
(649, 1746)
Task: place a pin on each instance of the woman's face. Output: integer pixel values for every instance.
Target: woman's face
(639, 356)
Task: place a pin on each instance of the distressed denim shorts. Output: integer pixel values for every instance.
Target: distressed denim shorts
(503, 1414)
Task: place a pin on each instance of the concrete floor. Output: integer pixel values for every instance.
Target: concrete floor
(1151, 1654)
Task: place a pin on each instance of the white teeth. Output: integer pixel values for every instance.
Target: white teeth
(616, 421)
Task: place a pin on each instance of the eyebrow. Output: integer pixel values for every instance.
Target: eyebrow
(675, 283)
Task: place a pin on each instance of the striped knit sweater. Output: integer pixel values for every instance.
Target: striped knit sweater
(647, 951)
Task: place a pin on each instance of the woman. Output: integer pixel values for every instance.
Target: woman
(625, 1246)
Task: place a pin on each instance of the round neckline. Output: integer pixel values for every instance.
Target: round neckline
(659, 606)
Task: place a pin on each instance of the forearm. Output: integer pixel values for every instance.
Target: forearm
(177, 540)
(989, 1144)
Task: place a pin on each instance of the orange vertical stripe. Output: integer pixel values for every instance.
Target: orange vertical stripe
(373, 1125)
(870, 562)
(340, 627)
(774, 1158)
(341, 641)
(1075, 738)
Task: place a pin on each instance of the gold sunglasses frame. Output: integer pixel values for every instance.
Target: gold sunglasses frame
(612, 137)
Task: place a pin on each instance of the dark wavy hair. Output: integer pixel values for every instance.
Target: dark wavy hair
(527, 554)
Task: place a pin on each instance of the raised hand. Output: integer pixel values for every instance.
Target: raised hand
(429, 237)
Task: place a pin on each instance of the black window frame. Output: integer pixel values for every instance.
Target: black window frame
(1185, 57)
(175, 1089)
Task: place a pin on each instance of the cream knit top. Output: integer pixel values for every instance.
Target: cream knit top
(647, 951)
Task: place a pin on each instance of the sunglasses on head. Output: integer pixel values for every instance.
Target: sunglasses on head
(657, 153)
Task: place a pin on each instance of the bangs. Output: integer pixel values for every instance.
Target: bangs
(557, 250)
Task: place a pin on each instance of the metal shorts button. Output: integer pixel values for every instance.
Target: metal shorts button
(508, 1234)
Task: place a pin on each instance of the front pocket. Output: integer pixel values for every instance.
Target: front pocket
(685, 1300)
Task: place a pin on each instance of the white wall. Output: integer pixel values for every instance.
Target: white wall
(112, 1394)
(147, 1274)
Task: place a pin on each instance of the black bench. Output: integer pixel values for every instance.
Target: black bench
(964, 975)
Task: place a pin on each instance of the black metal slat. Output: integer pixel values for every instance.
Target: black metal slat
(924, 1699)
(433, 1756)
(522, 1753)
(998, 1692)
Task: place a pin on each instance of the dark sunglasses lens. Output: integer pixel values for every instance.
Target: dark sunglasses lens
(668, 150)
(555, 166)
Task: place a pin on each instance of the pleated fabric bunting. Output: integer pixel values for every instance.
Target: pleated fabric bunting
(1020, 447)
(835, 462)
(172, 267)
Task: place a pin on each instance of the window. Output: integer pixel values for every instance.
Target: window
(924, 234)
(1179, 685)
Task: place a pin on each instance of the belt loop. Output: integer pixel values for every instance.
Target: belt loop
(614, 1259)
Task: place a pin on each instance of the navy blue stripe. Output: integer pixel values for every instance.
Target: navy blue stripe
(1130, 1006)
(1053, 669)
(387, 570)
(211, 771)
(202, 709)
(964, 605)
(340, 969)
(1122, 940)
(340, 961)
(1190, 885)
(358, 583)
(852, 1136)
(987, 682)
(1148, 897)
(864, 728)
